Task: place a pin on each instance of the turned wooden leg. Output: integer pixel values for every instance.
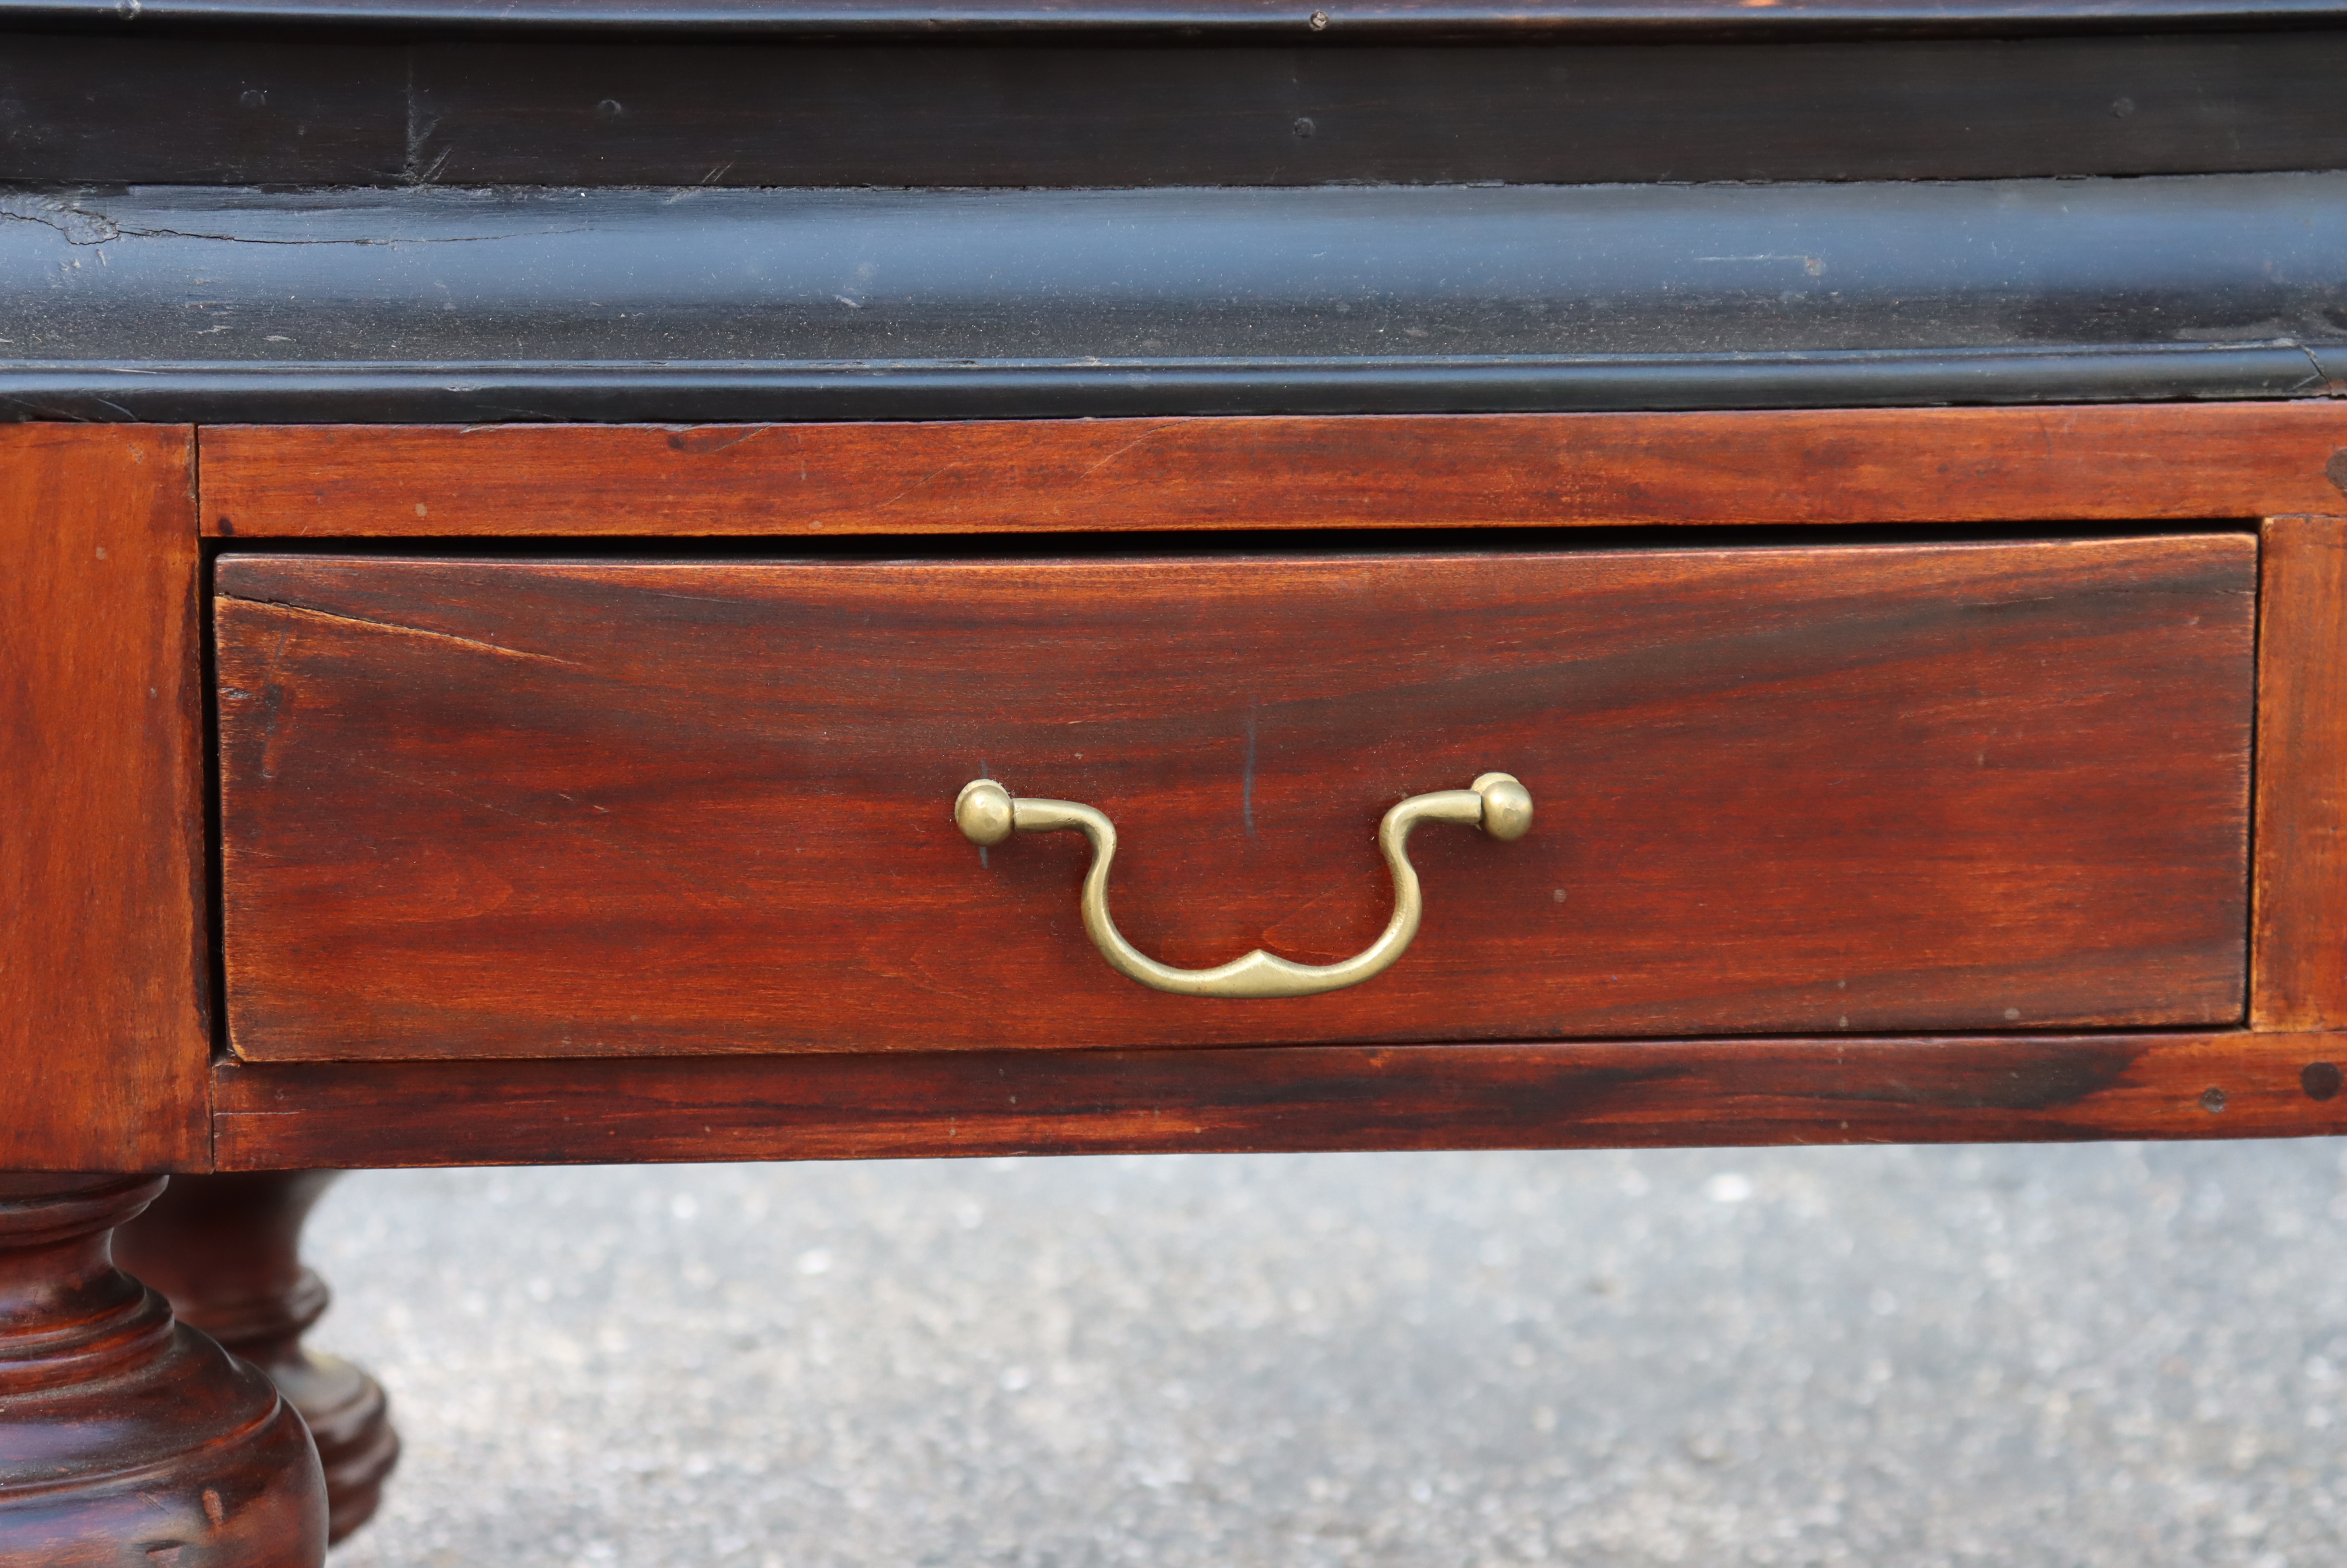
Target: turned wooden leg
(128, 1440)
(226, 1250)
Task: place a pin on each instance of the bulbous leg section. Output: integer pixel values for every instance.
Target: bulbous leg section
(351, 1420)
(128, 1440)
(226, 1250)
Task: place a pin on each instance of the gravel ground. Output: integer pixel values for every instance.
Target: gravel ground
(2125, 1354)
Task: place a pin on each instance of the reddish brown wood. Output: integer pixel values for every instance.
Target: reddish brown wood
(1866, 466)
(225, 1250)
(127, 1442)
(2299, 976)
(1652, 1094)
(103, 1044)
(506, 808)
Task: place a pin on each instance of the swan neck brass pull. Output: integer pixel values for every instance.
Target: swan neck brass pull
(1498, 804)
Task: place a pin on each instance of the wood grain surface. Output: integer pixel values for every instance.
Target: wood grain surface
(1651, 1094)
(2122, 463)
(103, 1041)
(512, 808)
(2299, 973)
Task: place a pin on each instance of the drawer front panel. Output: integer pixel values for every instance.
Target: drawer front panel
(484, 808)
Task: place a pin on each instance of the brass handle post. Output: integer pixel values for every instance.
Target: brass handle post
(1496, 802)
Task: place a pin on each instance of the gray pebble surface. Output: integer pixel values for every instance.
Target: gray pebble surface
(2120, 1354)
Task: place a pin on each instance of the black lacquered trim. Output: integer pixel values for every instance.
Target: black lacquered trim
(395, 392)
(1305, 20)
(149, 108)
(554, 304)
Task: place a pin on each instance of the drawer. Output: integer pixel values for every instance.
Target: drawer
(510, 807)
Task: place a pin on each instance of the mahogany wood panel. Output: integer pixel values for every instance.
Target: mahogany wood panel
(2298, 977)
(102, 1043)
(128, 1441)
(1655, 1094)
(522, 808)
(1867, 466)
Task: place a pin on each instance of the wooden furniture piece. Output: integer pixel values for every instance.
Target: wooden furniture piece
(521, 531)
(224, 1251)
(129, 1437)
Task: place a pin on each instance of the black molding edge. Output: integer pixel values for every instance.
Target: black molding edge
(722, 392)
(1330, 21)
(518, 304)
(141, 108)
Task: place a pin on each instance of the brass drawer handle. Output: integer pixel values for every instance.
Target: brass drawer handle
(987, 814)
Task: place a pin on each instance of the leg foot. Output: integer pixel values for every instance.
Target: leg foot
(226, 1250)
(128, 1440)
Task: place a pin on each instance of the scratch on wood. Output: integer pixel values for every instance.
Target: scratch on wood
(1246, 779)
(924, 480)
(495, 648)
(703, 440)
(419, 131)
(1147, 435)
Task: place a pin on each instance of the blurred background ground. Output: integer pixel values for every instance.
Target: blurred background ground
(2071, 1356)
